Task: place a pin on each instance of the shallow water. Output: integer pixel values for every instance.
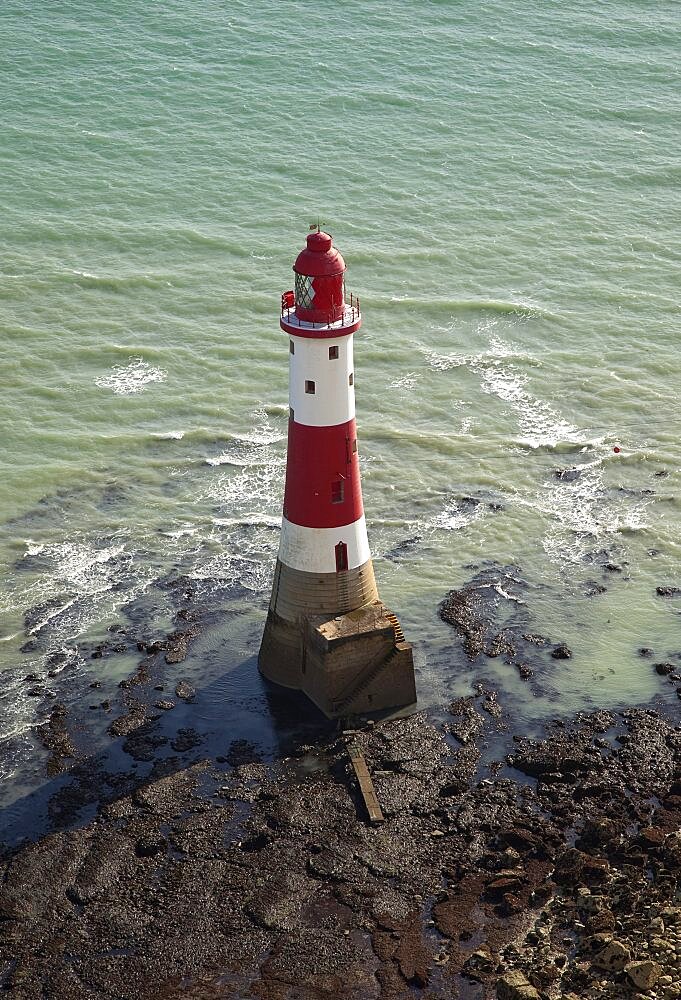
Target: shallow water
(502, 182)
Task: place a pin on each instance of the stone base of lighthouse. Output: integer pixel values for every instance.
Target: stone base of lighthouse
(348, 662)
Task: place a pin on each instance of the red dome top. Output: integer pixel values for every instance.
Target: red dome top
(320, 258)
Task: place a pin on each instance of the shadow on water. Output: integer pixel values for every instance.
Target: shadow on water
(239, 718)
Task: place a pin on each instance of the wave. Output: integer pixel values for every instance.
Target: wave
(525, 308)
(116, 282)
(126, 380)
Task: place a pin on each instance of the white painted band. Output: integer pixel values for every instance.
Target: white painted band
(310, 367)
(314, 549)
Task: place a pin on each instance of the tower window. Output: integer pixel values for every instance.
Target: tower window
(341, 557)
(304, 291)
(291, 414)
(333, 353)
(310, 386)
(291, 347)
(351, 378)
(338, 491)
(354, 443)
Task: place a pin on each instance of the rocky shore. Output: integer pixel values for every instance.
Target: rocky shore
(267, 881)
(505, 867)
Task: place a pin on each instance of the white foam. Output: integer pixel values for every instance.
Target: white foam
(455, 516)
(169, 436)
(583, 511)
(540, 425)
(125, 380)
(407, 381)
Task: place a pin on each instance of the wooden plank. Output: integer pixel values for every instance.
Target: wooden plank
(366, 785)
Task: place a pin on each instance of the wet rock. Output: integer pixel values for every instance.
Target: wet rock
(403, 548)
(561, 652)
(646, 652)
(185, 691)
(567, 475)
(515, 986)
(668, 591)
(664, 669)
(186, 739)
(150, 845)
(477, 611)
(39, 615)
(643, 974)
(55, 737)
(165, 704)
(468, 722)
(178, 645)
(535, 640)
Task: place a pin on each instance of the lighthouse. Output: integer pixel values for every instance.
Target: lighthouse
(327, 633)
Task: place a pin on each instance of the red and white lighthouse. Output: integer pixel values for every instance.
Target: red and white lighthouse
(327, 632)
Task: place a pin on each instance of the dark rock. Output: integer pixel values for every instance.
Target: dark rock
(561, 652)
(150, 845)
(178, 645)
(600, 922)
(646, 652)
(165, 704)
(663, 669)
(567, 475)
(536, 640)
(186, 739)
(185, 691)
(668, 591)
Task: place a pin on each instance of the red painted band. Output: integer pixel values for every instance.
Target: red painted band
(323, 488)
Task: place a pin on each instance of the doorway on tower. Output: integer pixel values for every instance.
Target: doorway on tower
(341, 557)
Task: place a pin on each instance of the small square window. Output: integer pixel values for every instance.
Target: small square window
(310, 386)
(354, 443)
(338, 491)
(333, 353)
(351, 378)
(291, 347)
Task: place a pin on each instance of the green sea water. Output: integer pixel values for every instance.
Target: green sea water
(502, 179)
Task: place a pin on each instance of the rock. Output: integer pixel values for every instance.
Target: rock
(644, 975)
(668, 591)
(178, 645)
(561, 652)
(185, 691)
(165, 704)
(567, 475)
(601, 922)
(663, 669)
(514, 986)
(498, 887)
(150, 845)
(610, 954)
(645, 652)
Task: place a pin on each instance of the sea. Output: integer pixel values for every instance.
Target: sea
(503, 182)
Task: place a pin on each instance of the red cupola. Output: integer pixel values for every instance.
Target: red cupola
(319, 288)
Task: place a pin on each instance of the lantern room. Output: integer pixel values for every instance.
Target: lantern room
(319, 287)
